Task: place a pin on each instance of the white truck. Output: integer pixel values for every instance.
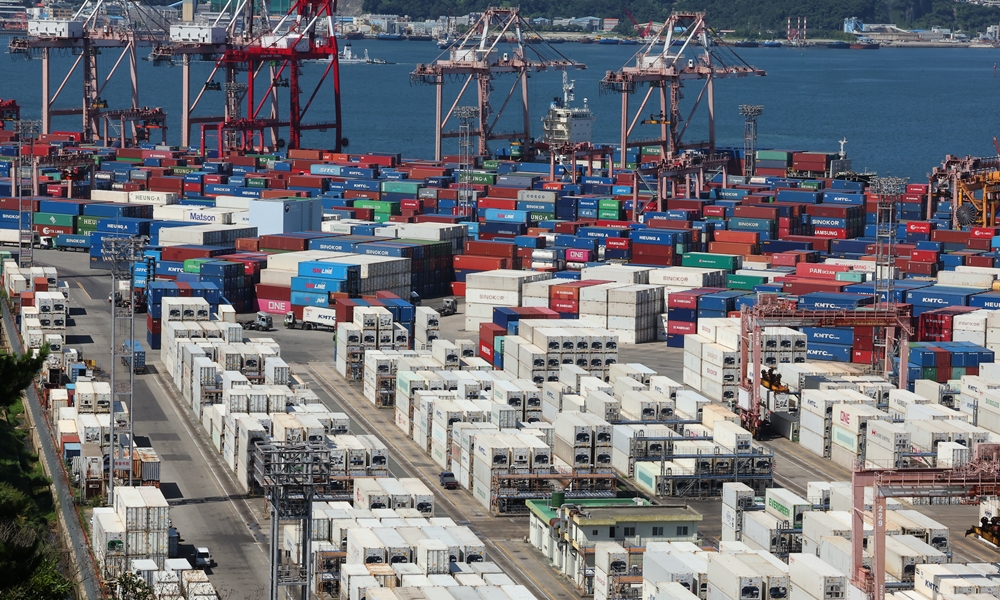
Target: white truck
(313, 317)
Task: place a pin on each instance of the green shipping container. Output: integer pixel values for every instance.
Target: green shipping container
(491, 165)
(631, 165)
(379, 206)
(184, 170)
(256, 182)
(608, 204)
(193, 265)
(87, 221)
(728, 262)
(651, 150)
(401, 187)
(536, 217)
(610, 215)
(772, 155)
(958, 372)
(811, 185)
(929, 373)
(382, 217)
(744, 282)
(853, 277)
(54, 219)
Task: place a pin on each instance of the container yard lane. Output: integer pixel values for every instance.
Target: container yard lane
(504, 537)
(205, 506)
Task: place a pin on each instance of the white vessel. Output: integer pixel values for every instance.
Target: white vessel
(347, 56)
(565, 124)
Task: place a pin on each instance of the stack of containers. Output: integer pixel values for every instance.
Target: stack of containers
(633, 312)
(426, 327)
(848, 435)
(139, 519)
(484, 291)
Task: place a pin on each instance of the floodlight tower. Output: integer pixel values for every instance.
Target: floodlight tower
(750, 113)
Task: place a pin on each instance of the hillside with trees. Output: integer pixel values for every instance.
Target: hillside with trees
(29, 560)
(748, 17)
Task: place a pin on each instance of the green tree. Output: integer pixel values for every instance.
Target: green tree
(132, 587)
(28, 560)
(16, 373)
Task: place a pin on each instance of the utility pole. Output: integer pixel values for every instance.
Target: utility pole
(26, 131)
(122, 253)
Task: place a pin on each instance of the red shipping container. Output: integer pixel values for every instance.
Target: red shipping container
(503, 192)
(498, 203)
(617, 243)
(486, 351)
(51, 230)
(276, 292)
(458, 288)
(983, 232)
(488, 331)
(497, 249)
(714, 211)
(785, 259)
(921, 268)
(730, 248)
(919, 227)
(979, 261)
(154, 326)
(830, 232)
(924, 256)
(682, 327)
(979, 243)
(947, 235)
(565, 306)
(740, 237)
(481, 263)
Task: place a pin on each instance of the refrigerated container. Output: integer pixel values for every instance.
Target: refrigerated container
(732, 579)
(815, 577)
(364, 547)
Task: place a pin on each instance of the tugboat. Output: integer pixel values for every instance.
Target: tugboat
(772, 44)
(565, 124)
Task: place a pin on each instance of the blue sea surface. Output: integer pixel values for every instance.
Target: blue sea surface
(901, 110)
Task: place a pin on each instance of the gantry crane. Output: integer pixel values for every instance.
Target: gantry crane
(980, 477)
(85, 36)
(774, 311)
(667, 70)
(973, 184)
(478, 58)
(271, 59)
(10, 110)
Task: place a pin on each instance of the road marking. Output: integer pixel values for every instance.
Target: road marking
(183, 416)
(84, 290)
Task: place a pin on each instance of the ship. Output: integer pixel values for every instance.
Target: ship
(837, 45)
(746, 44)
(771, 44)
(864, 43)
(565, 124)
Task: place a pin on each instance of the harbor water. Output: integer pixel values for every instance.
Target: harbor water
(901, 110)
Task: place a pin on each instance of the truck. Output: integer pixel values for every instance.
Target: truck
(12, 237)
(261, 322)
(68, 241)
(138, 362)
(313, 317)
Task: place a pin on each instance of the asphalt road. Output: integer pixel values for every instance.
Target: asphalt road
(206, 506)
